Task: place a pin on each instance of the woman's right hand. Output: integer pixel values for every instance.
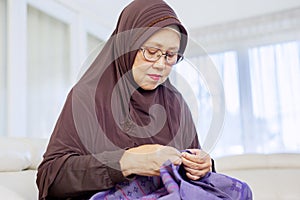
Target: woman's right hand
(146, 160)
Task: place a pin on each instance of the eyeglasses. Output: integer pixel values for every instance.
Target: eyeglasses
(153, 54)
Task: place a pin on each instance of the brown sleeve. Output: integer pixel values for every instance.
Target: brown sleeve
(86, 175)
(69, 169)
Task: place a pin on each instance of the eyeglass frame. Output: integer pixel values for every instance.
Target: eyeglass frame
(166, 54)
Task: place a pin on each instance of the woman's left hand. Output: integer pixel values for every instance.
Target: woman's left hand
(196, 164)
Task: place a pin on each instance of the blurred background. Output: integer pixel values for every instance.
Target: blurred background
(255, 46)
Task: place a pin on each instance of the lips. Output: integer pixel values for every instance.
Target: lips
(155, 77)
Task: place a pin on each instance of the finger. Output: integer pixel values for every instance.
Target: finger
(178, 161)
(196, 172)
(199, 152)
(190, 163)
(198, 156)
(195, 165)
(192, 177)
(193, 158)
(202, 154)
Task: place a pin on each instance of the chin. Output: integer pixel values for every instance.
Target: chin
(149, 87)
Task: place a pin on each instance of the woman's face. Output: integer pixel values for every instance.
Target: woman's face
(148, 74)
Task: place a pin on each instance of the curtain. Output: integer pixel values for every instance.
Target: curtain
(258, 60)
(2, 66)
(49, 72)
(273, 111)
(194, 84)
(231, 140)
(188, 79)
(275, 80)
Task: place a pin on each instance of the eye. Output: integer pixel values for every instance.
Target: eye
(152, 51)
(172, 54)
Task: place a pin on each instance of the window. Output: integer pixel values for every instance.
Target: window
(93, 42)
(2, 66)
(226, 66)
(196, 79)
(273, 111)
(275, 81)
(186, 76)
(92, 49)
(48, 75)
(260, 70)
(49, 39)
(231, 140)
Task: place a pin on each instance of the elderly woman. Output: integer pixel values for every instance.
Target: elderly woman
(123, 123)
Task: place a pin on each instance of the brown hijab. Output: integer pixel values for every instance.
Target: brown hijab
(107, 111)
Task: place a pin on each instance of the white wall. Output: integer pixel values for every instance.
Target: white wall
(199, 13)
(193, 13)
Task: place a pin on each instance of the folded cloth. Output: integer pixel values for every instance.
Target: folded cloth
(172, 184)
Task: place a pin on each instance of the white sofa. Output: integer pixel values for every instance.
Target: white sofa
(19, 159)
(271, 177)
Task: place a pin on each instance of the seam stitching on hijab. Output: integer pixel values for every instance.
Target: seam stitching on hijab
(155, 22)
(161, 19)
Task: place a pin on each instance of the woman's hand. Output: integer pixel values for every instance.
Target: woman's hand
(196, 164)
(146, 160)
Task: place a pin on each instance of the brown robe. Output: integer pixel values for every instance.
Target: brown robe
(106, 112)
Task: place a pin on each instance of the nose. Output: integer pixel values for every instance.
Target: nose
(160, 63)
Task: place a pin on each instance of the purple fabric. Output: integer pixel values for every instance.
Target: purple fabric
(172, 185)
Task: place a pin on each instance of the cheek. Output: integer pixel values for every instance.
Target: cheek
(167, 72)
(139, 72)
(166, 75)
(136, 67)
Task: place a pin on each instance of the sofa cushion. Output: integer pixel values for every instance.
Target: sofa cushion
(270, 176)
(21, 153)
(6, 193)
(22, 183)
(275, 184)
(37, 149)
(258, 161)
(15, 155)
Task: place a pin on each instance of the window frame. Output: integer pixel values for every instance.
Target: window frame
(16, 69)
